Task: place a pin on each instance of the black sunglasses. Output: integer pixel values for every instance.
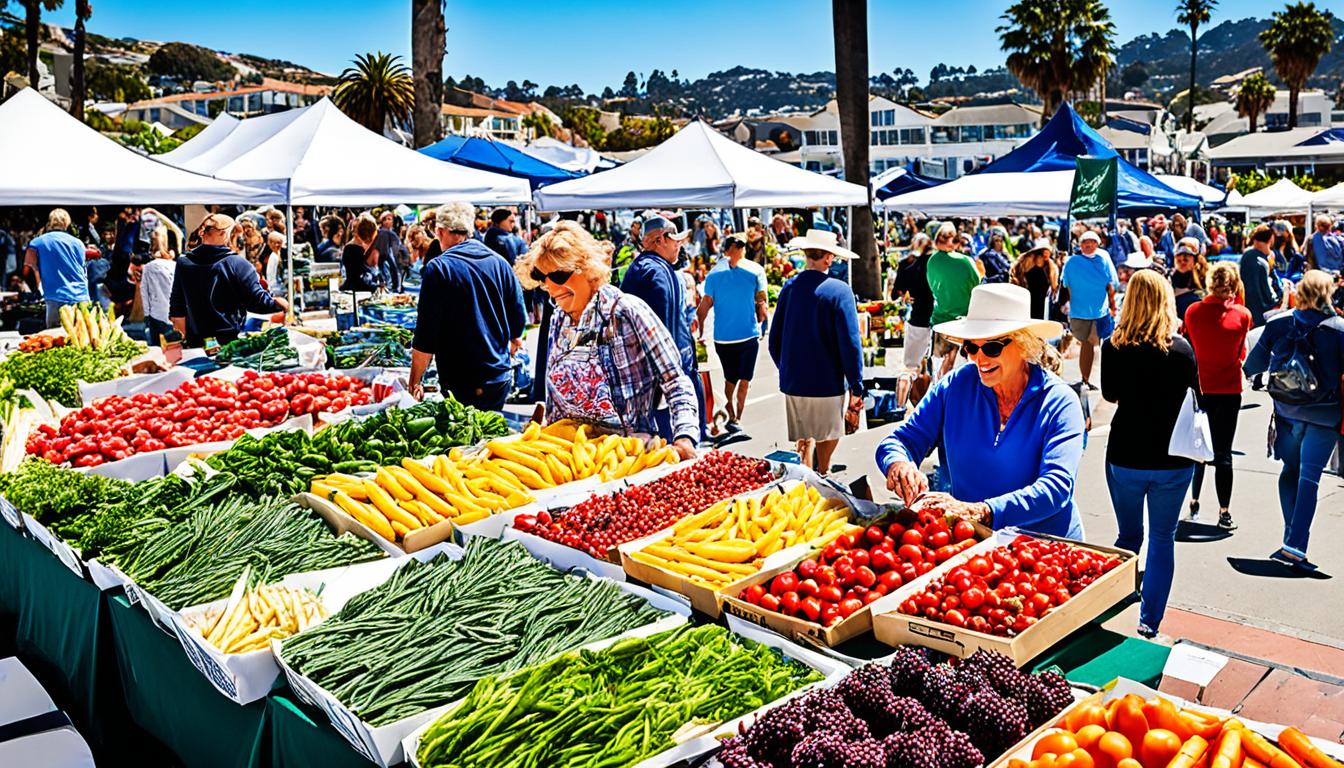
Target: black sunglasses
(990, 348)
(559, 277)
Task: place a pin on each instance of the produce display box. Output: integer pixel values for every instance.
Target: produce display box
(163, 616)
(382, 745)
(894, 628)
(1119, 688)
(710, 601)
(246, 677)
(562, 497)
(813, 633)
(695, 741)
(415, 541)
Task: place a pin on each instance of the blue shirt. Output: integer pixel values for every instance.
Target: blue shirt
(1086, 277)
(60, 264)
(214, 288)
(734, 290)
(506, 244)
(1328, 249)
(814, 339)
(1026, 473)
(1193, 229)
(652, 279)
(471, 306)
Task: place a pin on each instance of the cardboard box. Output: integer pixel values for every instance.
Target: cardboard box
(812, 633)
(895, 628)
(709, 600)
(694, 740)
(383, 745)
(420, 538)
(245, 677)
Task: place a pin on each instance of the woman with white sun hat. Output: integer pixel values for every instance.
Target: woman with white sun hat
(1011, 432)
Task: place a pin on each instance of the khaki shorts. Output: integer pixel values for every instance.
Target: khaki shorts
(1091, 331)
(916, 346)
(820, 418)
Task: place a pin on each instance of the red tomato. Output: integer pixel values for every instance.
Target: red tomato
(810, 607)
(911, 552)
(784, 582)
(770, 602)
(788, 602)
(890, 579)
(752, 594)
(807, 569)
(963, 530)
(912, 536)
(850, 606)
(864, 576)
(873, 534)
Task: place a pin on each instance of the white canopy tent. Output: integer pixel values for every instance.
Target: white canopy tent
(1044, 193)
(50, 158)
(1212, 196)
(214, 133)
(1329, 199)
(1283, 195)
(318, 156)
(571, 158)
(700, 167)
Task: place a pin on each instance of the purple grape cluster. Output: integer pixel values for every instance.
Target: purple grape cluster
(911, 714)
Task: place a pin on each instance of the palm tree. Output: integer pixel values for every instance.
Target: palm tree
(850, 28)
(32, 23)
(1254, 98)
(1057, 47)
(1192, 13)
(427, 48)
(376, 89)
(77, 90)
(1296, 39)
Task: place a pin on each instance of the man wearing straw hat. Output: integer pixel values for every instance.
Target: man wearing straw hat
(814, 341)
(1012, 433)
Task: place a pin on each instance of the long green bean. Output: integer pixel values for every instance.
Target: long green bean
(425, 636)
(610, 708)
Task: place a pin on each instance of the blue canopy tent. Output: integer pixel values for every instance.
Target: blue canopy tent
(487, 155)
(908, 181)
(1064, 138)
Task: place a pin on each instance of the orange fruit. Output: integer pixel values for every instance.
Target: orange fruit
(1085, 715)
(1055, 741)
(1159, 746)
(1082, 758)
(1088, 735)
(1111, 748)
(1129, 762)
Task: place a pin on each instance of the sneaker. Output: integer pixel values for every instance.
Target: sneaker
(732, 427)
(1292, 557)
(1194, 511)
(1225, 521)
(1090, 386)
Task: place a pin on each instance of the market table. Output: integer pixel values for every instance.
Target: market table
(299, 736)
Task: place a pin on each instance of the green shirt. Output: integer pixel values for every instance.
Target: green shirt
(951, 278)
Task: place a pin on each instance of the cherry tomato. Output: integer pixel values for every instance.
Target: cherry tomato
(850, 606)
(770, 602)
(911, 553)
(752, 594)
(963, 530)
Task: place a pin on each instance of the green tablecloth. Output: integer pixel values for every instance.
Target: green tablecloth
(299, 736)
(1096, 656)
(168, 698)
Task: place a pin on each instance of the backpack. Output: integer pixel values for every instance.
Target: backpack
(1295, 379)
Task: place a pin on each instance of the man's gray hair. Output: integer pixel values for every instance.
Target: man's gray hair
(456, 217)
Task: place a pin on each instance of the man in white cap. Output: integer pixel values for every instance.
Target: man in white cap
(652, 276)
(1091, 280)
(814, 341)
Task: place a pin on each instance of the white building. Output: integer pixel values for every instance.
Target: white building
(944, 146)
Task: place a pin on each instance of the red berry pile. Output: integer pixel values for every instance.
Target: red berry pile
(602, 522)
(203, 410)
(858, 568)
(1007, 590)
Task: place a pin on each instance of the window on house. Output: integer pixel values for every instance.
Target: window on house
(833, 138)
(972, 133)
(912, 135)
(874, 119)
(872, 138)
(946, 134)
(889, 117)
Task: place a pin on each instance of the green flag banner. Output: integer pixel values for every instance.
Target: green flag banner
(1094, 184)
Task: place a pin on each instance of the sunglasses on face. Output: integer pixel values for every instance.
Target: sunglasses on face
(990, 348)
(559, 277)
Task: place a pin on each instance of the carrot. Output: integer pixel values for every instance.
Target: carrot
(1250, 762)
(1229, 753)
(1192, 751)
(1200, 725)
(1296, 744)
(1262, 750)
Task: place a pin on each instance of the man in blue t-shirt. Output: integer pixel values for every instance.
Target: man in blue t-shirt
(1091, 280)
(1325, 249)
(56, 261)
(500, 237)
(652, 277)
(735, 290)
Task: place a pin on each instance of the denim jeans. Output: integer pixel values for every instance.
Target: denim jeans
(1164, 490)
(155, 330)
(1303, 448)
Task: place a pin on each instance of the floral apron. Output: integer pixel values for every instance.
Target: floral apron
(576, 378)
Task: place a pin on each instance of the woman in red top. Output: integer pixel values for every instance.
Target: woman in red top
(1217, 328)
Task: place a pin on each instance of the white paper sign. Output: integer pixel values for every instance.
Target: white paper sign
(1193, 664)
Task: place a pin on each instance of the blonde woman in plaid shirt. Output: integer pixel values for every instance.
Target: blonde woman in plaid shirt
(609, 353)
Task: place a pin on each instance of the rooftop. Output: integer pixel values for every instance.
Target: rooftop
(1277, 145)
(996, 114)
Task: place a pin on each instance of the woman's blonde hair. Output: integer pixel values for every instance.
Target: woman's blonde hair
(946, 230)
(58, 220)
(1224, 280)
(1313, 292)
(1148, 315)
(1033, 347)
(570, 248)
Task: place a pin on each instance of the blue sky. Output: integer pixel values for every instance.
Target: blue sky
(595, 42)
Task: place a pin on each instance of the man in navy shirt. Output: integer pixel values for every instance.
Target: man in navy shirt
(470, 316)
(389, 246)
(815, 342)
(214, 288)
(652, 277)
(500, 237)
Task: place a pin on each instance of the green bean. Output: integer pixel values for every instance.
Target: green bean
(431, 631)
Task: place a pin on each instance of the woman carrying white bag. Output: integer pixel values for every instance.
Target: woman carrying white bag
(1149, 372)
